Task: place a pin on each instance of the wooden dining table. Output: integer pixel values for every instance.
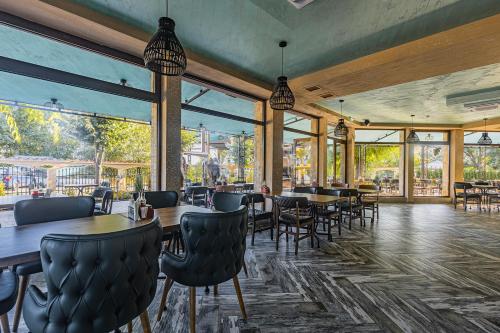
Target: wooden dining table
(21, 244)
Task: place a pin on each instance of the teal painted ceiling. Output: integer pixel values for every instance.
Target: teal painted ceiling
(244, 33)
(426, 99)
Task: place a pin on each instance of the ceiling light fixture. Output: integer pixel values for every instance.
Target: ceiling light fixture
(164, 53)
(485, 138)
(341, 128)
(53, 104)
(282, 97)
(412, 137)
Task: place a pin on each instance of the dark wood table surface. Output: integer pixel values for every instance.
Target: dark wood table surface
(317, 199)
(21, 244)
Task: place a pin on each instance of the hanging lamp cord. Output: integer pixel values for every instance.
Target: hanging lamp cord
(167, 6)
(282, 60)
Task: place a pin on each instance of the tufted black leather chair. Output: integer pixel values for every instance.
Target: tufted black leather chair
(215, 248)
(95, 283)
(40, 211)
(8, 294)
(228, 202)
(160, 199)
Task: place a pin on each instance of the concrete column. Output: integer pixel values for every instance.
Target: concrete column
(155, 186)
(402, 163)
(51, 178)
(259, 172)
(274, 149)
(409, 172)
(170, 128)
(314, 152)
(456, 157)
(323, 152)
(350, 150)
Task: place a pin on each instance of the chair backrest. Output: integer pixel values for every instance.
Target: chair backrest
(369, 187)
(304, 189)
(462, 186)
(225, 188)
(52, 209)
(160, 199)
(256, 198)
(97, 283)
(248, 187)
(348, 192)
(329, 191)
(196, 190)
(482, 182)
(339, 185)
(107, 202)
(284, 202)
(99, 192)
(228, 202)
(215, 246)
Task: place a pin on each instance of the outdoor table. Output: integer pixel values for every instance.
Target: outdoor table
(21, 244)
(484, 192)
(80, 187)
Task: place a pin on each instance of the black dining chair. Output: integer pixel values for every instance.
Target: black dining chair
(258, 218)
(370, 202)
(215, 248)
(106, 205)
(325, 215)
(160, 199)
(462, 191)
(41, 211)
(304, 189)
(352, 208)
(294, 213)
(228, 201)
(196, 195)
(95, 283)
(8, 295)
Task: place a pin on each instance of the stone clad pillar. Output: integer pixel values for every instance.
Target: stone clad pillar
(350, 150)
(409, 172)
(314, 151)
(52, 178)
(323, 152)
(259, 172)
(456, 157)
(274, 149)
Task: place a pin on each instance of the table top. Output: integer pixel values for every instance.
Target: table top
(21, 244)
(484, 186)
(360, 190)
(315, 198)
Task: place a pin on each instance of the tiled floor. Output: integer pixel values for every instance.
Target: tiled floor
(421, 268)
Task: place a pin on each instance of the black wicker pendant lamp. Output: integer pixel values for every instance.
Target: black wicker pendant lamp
(164, 53)
(282, 97)
(412, 137)
(341, 128)
(485, 138)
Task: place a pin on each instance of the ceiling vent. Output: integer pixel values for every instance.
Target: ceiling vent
(327, 95)
(312, 88)
(299, 4)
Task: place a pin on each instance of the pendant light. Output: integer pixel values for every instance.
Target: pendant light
(282, 97)
(164, 53)
(412, 137)
(341, 128)
(485, 138)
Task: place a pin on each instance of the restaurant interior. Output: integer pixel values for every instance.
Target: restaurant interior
(249, 166)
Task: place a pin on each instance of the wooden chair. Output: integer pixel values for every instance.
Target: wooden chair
(326, 215)
(461, 191)
(370, 202)
(352, 208)
(258, 218)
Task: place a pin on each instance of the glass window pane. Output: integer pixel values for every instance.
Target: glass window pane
(382, 165)
(335, 161)
(292, 120)
(473, 137)
(201, 96)
(431, 170)
(432, 136)
(379, 136)
(481, 163)
(22, 89)
(299, 168)
(28, 47)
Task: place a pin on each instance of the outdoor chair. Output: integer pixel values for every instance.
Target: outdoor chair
(461, 191)
(326, 215)
(54, 209)
(196, 195)
(258, 218)
(215, 249)
(106, 205)
(370, 202)
(8, 295)
(294, 213)
(95, 283)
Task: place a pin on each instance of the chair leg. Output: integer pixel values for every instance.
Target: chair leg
(277, 235)
(330, 229)
(312, 235)
(296, 240)
(166, 288)
(5, 323)
(240, 297)
(129, 327)
(286, 234)
(245, 268)
(146, 326)
(253, 232)
(216, 290)
(192, 309)
(23, 285)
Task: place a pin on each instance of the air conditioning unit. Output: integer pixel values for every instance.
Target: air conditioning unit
(479, 100)
(299, 4)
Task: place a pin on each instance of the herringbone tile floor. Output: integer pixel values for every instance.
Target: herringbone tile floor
(421, 268)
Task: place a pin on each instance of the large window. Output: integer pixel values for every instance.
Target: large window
(431, 164)
(379, 159)
(218, 136)
(481, 162)
(300, 150)
(336, 157)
